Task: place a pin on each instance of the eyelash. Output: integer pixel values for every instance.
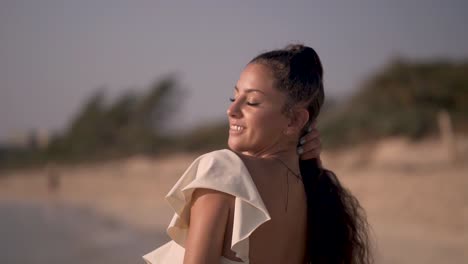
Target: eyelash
(249, 104)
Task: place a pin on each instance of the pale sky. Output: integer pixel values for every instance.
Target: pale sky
(54, 54)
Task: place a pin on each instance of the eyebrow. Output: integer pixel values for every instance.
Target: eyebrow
(250, 90)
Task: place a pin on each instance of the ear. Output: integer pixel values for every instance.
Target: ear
(297, 120)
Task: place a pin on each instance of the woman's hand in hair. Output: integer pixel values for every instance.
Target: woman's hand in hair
(310, 145)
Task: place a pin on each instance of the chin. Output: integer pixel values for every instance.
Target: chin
(237, 146)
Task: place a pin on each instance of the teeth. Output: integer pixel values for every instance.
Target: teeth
(237, 128)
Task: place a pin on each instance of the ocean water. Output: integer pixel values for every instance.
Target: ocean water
(32, 233)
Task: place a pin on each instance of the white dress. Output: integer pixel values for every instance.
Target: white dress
(220, 170)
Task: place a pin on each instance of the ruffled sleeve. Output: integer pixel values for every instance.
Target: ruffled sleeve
(223, 171)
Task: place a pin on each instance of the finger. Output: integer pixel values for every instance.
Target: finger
(312, 125)
(312, 135)
(309, 138)
(311, 146)
(310, 153)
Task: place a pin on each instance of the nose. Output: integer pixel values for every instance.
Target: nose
(234, 110)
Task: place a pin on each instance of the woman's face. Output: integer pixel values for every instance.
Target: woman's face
(255, 116)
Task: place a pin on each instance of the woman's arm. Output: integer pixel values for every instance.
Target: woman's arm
(209, 214)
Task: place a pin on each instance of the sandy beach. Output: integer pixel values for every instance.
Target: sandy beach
(416, 200)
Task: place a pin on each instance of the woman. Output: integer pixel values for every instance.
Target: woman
(258, 202)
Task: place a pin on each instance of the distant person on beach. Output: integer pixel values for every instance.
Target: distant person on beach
(53, 179)
(267, 198)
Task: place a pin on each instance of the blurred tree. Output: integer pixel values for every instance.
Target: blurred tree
(207, 137)
(402, 99)
(86, 132)
(131, 124)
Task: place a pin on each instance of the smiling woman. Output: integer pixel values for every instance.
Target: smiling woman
(255, 114)
(258, 202)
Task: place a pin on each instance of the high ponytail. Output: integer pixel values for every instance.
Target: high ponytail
(336, 224)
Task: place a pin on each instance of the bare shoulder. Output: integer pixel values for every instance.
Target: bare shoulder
(208, 205)
(210, 197)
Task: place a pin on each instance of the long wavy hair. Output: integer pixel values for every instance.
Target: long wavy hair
(337, 229)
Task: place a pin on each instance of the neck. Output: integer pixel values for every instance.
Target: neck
(288, 155)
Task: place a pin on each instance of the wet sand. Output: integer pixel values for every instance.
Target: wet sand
(33, 233)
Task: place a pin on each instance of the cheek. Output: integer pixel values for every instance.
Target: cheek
(267, 125)
(264, 128)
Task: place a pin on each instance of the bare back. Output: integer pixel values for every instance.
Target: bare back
(283, 238)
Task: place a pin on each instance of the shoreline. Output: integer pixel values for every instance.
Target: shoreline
(36, 233)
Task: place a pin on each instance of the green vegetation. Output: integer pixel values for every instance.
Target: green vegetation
(127, 126)
(103, 130)
(403, 98)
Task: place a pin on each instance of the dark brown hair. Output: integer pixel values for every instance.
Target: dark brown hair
(337, 230)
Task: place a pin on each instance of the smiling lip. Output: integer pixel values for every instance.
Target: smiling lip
(236, 129)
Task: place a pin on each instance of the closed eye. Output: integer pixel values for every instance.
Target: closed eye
(248, 103)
